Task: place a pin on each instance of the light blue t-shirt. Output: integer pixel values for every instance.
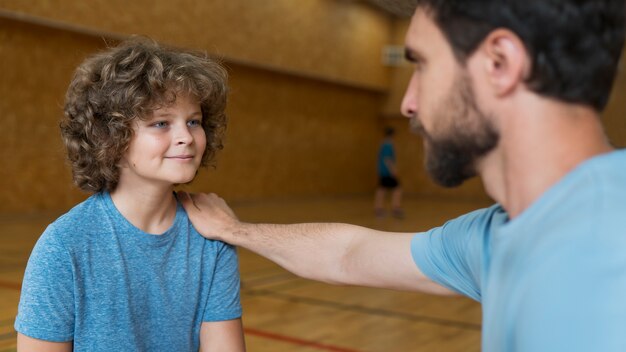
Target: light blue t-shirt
(96, 279)
(552, 279)
(386, 151)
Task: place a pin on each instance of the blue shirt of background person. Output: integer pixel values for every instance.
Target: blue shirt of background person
(385, 153)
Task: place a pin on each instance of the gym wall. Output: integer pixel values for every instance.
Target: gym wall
(306, 90)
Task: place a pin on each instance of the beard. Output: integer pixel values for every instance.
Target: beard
(469, 135)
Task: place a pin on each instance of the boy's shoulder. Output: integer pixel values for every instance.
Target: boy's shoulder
(86, 215)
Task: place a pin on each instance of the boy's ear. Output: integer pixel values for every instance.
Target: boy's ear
(123, 163)
(506, 63)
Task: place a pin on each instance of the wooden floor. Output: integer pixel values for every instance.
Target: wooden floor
(285, 313)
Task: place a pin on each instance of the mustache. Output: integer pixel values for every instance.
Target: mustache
(415, 125)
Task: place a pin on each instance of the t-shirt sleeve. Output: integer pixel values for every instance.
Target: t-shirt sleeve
(224, 302)
(453, 255)
(46, 308)
(387, 152)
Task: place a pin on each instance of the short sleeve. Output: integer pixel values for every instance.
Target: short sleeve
(387, 151)
(224, 301)
(454, 254)
(46, 308)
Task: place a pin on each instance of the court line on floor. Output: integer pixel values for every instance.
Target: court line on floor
(363, 309)
(6, 322)
(262, 272)
(11, 285)
(17, 269)
(286, 285)
(279, 277)
(8, 335)
(296, 341)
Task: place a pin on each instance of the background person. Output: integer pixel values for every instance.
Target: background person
(388, 178)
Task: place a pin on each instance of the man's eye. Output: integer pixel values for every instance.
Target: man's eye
(160, 124)
(194, 123)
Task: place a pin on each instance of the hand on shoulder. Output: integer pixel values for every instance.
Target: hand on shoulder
(210, 215)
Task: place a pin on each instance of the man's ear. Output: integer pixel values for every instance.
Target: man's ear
(506, 63)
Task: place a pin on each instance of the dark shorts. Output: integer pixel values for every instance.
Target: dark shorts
(389, 182)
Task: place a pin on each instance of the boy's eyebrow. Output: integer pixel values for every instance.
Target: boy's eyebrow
(167, 114)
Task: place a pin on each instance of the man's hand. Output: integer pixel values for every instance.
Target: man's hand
(209, 214)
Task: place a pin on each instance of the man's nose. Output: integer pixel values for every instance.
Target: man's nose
(409, 101)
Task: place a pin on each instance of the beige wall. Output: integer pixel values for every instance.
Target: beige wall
(615, 114)
(332, 39)
(293, 131)
(293, 137)
(36, 65)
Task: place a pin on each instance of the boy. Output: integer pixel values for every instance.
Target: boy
(125, 270)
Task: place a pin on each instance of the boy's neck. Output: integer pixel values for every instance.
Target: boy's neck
(151, 210)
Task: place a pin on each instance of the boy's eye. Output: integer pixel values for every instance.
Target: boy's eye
(160, 124)
(194, 123)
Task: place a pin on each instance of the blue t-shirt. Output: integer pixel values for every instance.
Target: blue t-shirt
(385, 152)
(96, 279)
(552, 279)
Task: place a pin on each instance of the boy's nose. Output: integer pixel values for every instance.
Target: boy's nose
(183, 135)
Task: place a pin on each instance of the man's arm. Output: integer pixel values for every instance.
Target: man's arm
(27, 344)
(330, 252)
(222, 336)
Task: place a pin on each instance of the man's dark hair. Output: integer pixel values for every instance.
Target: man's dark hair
(574, 45)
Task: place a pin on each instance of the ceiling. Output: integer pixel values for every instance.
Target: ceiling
(398, 8)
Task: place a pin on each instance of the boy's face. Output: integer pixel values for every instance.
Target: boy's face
(167, 147)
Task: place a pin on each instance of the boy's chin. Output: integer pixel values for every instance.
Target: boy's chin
(186, 180)
(184, 183)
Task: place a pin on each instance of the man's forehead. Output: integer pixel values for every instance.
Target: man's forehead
(421, 23)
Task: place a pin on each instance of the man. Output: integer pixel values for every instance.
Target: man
(510, 91)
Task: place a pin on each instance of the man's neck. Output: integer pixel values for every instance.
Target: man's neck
(537, 149)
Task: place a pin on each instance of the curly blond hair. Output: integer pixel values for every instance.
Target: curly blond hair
(112, 89)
